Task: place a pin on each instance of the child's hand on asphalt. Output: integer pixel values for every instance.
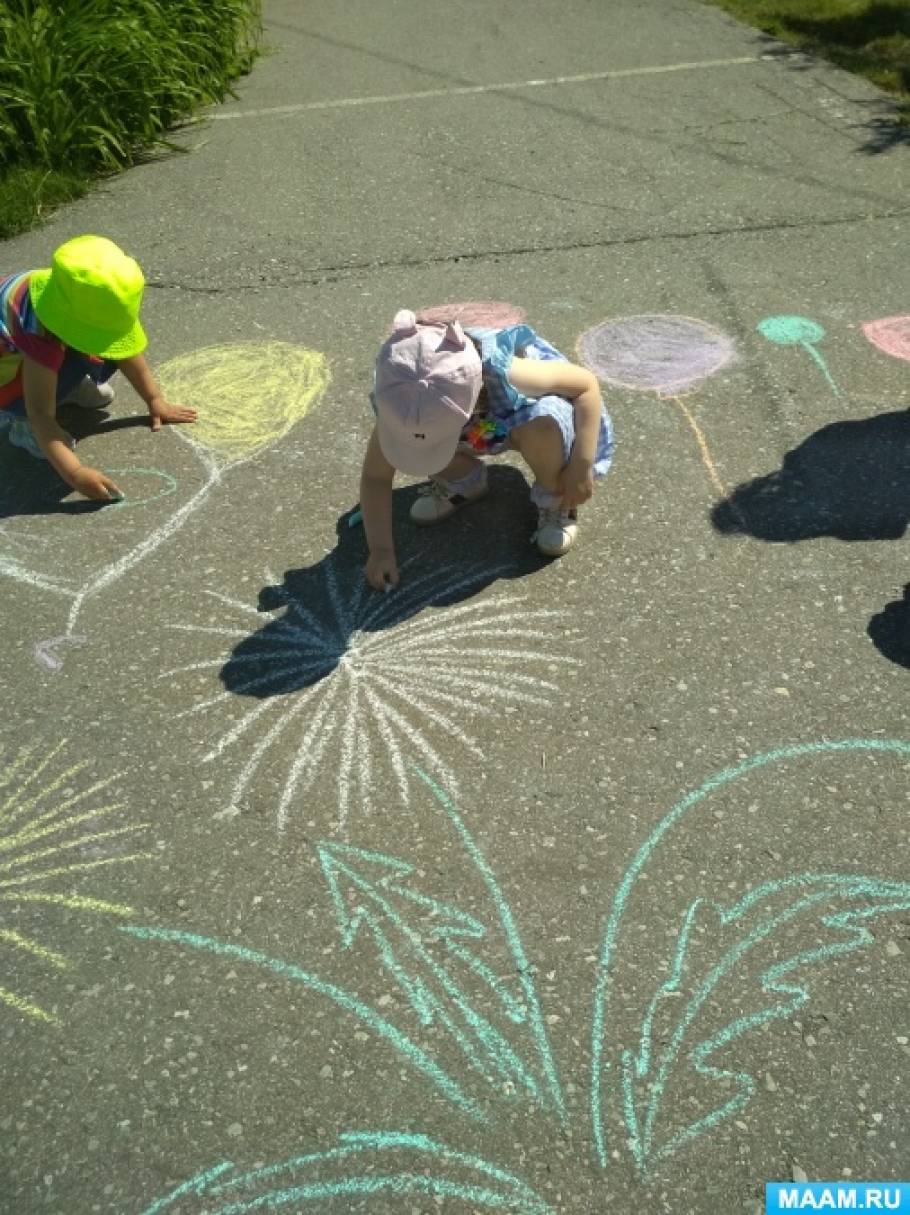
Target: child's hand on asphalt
(162, 412)
(96, 485)
(382, 570)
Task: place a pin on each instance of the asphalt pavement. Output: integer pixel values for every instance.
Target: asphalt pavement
(534, 886)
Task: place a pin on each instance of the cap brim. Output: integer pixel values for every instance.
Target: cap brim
(53, 314)
(416, 461)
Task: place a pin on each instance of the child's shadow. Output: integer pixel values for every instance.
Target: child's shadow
(331, 611)
(32, 487)
(850, 480)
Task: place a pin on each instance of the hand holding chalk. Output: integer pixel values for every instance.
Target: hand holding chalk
(382, 570)
(96, 485)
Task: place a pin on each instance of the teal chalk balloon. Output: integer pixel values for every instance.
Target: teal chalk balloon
(790, 330)
(798, 331)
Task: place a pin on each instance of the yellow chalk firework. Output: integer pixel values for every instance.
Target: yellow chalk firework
(247, 395)
(42, 821)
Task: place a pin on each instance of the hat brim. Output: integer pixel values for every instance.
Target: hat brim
(421, 461)
(54, 315)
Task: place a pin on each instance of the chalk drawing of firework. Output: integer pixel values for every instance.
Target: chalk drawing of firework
(353, 683)
(51, 832)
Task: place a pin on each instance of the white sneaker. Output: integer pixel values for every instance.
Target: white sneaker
(440, 499)
(90, 395)
(557, 527)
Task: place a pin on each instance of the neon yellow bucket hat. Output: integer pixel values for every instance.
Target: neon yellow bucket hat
(90, 296)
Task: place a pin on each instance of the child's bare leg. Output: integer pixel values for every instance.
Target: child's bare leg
(539, 443)
(461, 465)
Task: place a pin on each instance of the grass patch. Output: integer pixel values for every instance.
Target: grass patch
(869, 37)
(88, 86)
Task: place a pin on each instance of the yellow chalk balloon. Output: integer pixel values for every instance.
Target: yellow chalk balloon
(247, 395)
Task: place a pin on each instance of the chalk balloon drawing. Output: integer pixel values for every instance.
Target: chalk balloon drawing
(777, 933)
(50, 832)
(248, 397)
(354, 689)
(891, 335)
(655, 353)
(798, 331)
(474, 314)
(665, 354)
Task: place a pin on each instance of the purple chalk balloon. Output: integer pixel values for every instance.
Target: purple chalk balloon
(664, 354)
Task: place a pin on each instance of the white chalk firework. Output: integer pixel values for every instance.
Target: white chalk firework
(377, 683)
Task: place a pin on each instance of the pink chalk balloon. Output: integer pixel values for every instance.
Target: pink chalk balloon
(891, 335)
(476, 314)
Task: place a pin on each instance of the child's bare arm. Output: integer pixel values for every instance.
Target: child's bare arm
(540, 377)
(39, 385)
(376, 504)
(139, 374)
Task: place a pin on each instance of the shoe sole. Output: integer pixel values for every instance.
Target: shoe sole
(74, 404)
(549, 552)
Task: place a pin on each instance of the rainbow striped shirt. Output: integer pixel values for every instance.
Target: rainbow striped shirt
(21, 334)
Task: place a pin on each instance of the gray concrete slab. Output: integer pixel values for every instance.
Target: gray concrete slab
(642, 944)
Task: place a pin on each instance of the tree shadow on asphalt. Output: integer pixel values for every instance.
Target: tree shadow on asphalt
(329, 604)
(887, 120)
(889, 630)
(849, 480)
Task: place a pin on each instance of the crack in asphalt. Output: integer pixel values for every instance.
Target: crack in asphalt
(322, 275)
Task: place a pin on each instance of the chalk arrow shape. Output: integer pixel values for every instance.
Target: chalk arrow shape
(450, 925)
(367, 890)
(387, 873)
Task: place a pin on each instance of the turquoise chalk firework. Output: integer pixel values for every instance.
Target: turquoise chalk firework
(376, 893)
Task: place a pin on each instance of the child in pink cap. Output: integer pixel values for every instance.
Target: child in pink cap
(444, 396)
(64, 331)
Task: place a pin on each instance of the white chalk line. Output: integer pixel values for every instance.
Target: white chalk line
(432, 628)
(475, 90)
(270, 622)
(387, 716)
(251, 766)
(406, 693)
(348, 741)
(309, 753)
(472, 682)
(394, 755)
(426, 629)
(383, 691)
(389, 611)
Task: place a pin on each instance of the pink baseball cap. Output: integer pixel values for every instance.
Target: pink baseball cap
(428, 378)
